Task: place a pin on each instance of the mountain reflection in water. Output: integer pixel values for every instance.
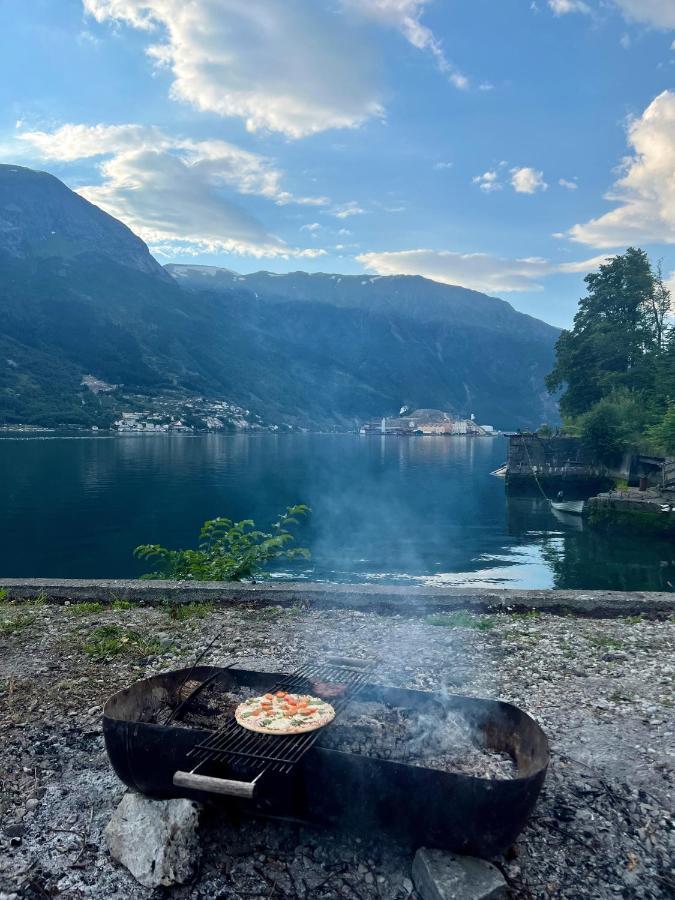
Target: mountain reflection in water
(421, 510)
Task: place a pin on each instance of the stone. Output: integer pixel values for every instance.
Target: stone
(155, 839)
(447, 876)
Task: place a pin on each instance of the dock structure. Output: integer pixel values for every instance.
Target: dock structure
(556, 462)
(648, 511)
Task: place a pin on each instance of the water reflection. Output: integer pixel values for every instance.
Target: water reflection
(386, 509)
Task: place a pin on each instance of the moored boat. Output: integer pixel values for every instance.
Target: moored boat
(569, 506)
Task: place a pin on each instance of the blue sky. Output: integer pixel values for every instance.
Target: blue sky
(501, 144)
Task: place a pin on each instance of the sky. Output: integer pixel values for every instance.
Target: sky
(505, 145)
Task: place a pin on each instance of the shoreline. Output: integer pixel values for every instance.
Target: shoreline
(387, 599)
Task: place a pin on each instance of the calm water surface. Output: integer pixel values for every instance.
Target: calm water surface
(385, 509)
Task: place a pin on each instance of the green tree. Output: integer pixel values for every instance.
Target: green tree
(615, 336)
(662, 435)
(659, 308)
(227, 550)
(613, 426)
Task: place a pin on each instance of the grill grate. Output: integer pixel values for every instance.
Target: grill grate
(249, 750)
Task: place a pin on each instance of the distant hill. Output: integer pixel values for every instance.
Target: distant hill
(81, 295)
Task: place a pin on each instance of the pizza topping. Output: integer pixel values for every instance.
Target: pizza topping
(284, 713)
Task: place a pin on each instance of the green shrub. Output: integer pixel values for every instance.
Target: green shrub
(183, 611)
(661, 437)
(123, 604)
(613, 426)
(83, 609)
(227, 550)
(107, 641)
(11, 625)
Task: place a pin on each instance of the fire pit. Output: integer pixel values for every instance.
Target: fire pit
(441, 770)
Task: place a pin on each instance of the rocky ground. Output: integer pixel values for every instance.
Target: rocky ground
(602, 690)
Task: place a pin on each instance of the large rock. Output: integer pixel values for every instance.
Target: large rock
(155, 839)
(446, 876)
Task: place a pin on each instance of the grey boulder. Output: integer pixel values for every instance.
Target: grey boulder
(446, 876)
(155, 839)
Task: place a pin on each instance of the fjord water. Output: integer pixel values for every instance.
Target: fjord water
(421, 510)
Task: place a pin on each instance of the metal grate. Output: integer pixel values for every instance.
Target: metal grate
(247, 750)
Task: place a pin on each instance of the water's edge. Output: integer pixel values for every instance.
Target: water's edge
(381, 598)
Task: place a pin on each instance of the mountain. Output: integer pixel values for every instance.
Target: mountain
(81, 295)
(410, 296)
(40, 218)
(416, 342)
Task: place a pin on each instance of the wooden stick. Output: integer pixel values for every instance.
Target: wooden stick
(244, 789)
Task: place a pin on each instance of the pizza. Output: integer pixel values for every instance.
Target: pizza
(283, 713)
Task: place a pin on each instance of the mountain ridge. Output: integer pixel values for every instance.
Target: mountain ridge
(302, 286)
(81, 295)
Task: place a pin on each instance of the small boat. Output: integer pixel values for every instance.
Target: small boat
(568, 520)
(569, 506)
(500, 472)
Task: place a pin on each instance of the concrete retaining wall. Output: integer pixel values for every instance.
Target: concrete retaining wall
(378, 598)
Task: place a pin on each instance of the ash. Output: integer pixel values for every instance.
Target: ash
(443, 740)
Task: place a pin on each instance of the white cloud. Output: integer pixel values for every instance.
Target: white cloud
(71, 142)
(645, 193)
(162, 198)
(440, 166)
(311, 226)
(220, 161)
(564, 7)
(488, 181)
(406, 16)
(345, 210)
(568, 185)
(480, 271)
(659, 13)
(171, 191)
(293, 67)
(526, 180)
(584, 265)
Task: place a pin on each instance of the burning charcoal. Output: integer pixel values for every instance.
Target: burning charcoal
(442, 740)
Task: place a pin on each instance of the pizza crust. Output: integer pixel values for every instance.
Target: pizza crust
(284, 725)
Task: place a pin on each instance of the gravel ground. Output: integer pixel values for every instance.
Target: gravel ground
(602, 690)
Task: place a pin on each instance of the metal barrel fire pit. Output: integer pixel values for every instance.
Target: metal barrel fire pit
(416, 804)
